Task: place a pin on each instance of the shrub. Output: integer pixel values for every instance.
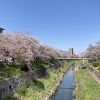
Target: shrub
(24, 67)
(38, 63)
(2, 65)
(22, 89)
(95, 64)
(38, 85)
(99, 68)
(41, 72)
(11, 97)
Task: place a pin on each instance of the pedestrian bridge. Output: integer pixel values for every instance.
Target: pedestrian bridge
(72, 58)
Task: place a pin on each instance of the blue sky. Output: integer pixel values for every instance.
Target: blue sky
(59, 23)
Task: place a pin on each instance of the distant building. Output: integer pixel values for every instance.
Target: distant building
(71, 51)
(1, 30)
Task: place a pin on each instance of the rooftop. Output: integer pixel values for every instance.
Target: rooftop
(2, 28)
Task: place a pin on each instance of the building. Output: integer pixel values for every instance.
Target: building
(1, 30)
(70, 52)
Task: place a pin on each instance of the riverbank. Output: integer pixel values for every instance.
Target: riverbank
(43, 87)
(86, 87)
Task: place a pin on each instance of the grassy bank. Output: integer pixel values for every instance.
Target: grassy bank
(40, 88)
(9, 71)
(86, 87)
(96, 64)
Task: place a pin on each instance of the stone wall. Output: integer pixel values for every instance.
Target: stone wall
(7, 86)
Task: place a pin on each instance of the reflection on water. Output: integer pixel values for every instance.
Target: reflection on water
(65, 90)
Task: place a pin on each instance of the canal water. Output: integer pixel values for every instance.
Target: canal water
(65, 90)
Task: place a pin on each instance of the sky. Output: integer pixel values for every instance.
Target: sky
(62, 24)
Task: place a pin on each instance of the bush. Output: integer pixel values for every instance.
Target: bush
(55, 63)
(95, 64)
(11, 97)
(38, 62)
(38, 85)
(92, 60)
(22, 89)
(2, 65)
(41, 72)
(24, 67)
(99, 68)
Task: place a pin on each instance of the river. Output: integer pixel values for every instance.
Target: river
(65, 90)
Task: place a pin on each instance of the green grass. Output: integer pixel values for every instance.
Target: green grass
(96, 64)
(42, 87)
(98, 67)
(87, 87)
(77, 62)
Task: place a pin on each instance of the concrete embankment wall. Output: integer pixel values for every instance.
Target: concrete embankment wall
(7, 86)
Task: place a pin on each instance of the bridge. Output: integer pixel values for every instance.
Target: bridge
(72, 58)
(84, 60)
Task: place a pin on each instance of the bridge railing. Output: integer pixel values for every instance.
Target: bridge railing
(72, 58)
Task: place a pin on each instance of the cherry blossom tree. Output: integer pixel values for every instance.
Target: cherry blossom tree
(93, 51)
(25, 48)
